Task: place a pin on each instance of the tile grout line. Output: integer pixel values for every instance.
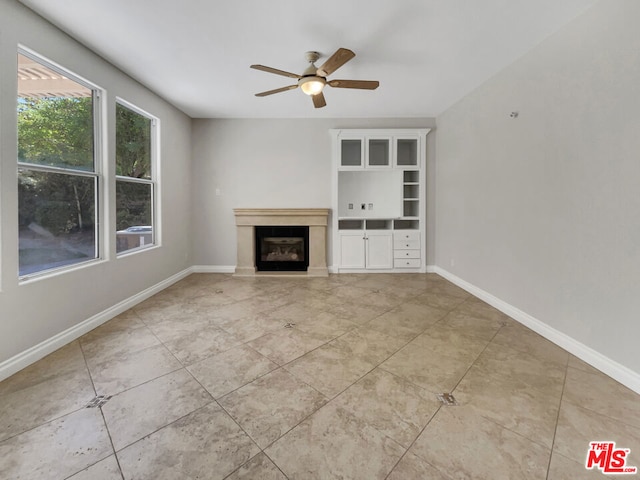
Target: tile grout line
(569, 367)
(60, 416)
(555, 430)
(243, 431)
(213, 400)
(477, 358)
(329, 399)
(332, 399)
(271, 371)
(182, 367)
(416, 386)
(115, 455)
(414, 441)
(104, 420)
(440, 407)
(276, 465)
(243, 385)
(492, 420)
(164, 426)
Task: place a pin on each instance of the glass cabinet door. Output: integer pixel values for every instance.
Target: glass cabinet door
(351, 153)
(379, 152)
(406, 152)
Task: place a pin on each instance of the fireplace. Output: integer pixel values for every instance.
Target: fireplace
(282, 248)
(314, 219)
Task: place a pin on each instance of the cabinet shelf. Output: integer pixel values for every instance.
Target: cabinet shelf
(406, 224)
(350, 224)
(412, 176)
(378, 224)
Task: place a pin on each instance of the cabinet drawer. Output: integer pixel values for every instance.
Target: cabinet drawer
(407, 263)
(406, 244)
(403, 236)
(399, 254)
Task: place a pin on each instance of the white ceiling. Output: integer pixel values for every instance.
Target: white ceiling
(427, 54)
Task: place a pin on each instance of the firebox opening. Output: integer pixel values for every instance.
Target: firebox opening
(282, 248)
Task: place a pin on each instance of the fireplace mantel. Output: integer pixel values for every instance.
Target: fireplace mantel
(314, 218)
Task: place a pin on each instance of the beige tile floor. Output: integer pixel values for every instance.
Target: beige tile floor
(292, 378)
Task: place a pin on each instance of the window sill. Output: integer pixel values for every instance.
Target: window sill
(47, 274)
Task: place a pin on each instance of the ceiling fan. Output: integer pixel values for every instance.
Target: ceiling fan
(313, 79)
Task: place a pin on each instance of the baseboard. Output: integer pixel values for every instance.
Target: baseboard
(35, 353)
(213, 269)
(431, 269)
(619, 372)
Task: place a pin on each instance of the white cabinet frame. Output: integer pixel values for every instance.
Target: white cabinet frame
(349, 245)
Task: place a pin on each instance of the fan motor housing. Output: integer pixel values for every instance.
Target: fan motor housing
(312, 56)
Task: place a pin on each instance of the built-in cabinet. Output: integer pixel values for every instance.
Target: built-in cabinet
(362, 249)
(379, 200)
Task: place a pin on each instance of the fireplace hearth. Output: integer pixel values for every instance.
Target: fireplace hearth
(282, 248)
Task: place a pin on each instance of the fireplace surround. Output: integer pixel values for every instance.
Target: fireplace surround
(249, 218)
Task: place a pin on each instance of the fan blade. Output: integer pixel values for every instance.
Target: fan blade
(318, 100)
(362, 84)
(277, 90)
(275, 70)
(342, 56)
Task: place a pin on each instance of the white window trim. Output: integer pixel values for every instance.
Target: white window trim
(99, 96)
(154, 181)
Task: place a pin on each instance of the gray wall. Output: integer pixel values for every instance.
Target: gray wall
(542, 211)
(271, 164)
(34, 312)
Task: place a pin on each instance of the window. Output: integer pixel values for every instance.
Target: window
(135, 186)
(57, 167)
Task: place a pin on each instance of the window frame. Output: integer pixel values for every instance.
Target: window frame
(98, 107)
(153, 180)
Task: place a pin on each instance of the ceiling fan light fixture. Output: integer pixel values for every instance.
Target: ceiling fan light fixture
(313, 80)
(312, 85)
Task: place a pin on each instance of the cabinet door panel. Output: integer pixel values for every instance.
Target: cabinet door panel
(407, 152)
(351, 153)
(352, 253)
(379, 250)
(378, 152)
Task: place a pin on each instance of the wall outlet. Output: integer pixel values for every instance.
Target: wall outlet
(351, 206)
(371, 206)
(452, 262)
